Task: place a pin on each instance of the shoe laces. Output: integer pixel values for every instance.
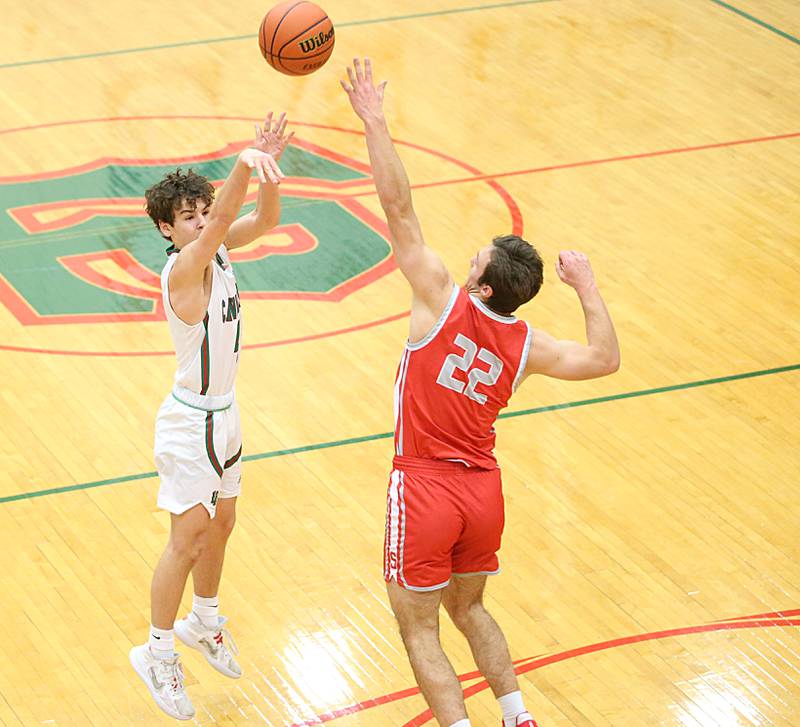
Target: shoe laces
(224, 640)
(170, 672)
(220, 638)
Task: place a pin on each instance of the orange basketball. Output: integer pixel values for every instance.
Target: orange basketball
(296, 37)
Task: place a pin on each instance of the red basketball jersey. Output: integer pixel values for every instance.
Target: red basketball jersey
(451, 385)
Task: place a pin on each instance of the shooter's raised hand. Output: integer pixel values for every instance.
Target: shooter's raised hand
(265, 165)
(272, 138)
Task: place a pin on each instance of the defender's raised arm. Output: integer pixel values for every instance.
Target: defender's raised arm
(422, 267)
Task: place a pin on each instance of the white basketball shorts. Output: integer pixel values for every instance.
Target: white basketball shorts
(198, 456)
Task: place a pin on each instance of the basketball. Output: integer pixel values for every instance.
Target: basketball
(296, 37)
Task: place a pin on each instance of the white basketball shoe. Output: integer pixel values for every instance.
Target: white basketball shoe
(164, 679)
(215, 643)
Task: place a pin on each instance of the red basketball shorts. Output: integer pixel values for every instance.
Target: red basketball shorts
(442, 519)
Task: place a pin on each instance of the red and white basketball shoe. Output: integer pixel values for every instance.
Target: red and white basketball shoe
(523, 720)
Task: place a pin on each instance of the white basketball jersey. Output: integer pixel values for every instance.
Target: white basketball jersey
(208, 352)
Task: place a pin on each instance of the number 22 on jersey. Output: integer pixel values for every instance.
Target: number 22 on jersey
(463, 362)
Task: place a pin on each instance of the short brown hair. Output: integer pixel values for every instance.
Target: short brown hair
(514, 272)
(164, 199)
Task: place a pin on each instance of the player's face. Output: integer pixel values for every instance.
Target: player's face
(476, 267)
(190, 219)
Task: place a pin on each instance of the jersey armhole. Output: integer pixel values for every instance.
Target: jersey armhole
(168, 304)
(431, 334)
(224, 252)
(523, 359)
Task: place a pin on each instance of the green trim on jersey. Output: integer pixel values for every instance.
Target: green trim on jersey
(205, 360)
(212, 455)
(233, 460)
(200, 408)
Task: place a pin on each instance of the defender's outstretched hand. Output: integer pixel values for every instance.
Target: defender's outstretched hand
(265, 165)
(365, 98)
(574, 269)
(273, 139)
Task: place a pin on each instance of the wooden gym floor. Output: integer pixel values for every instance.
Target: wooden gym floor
(651, 567)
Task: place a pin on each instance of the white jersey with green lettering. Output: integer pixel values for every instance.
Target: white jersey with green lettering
(207, 352)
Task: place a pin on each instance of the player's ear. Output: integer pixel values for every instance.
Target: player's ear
(486, 291)
(165, 229)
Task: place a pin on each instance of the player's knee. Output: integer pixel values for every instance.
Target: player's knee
(414, 625)
(190, 550)
(189, 546)
(466, 615)
(418, 635)
(223, 522)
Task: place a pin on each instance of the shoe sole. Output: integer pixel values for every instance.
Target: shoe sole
(178, 628)
(143, 676)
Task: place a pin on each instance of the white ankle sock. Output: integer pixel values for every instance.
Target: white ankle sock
(512, 707)
(462, 723)
(207, 610)
(162, 643)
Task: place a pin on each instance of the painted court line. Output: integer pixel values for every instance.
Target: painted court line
(606, 160)
(778, 619)
(540, 662)
(252, 36)
(247, 346)
(755, 20)
(305, 202)
(22, 242)
(387, 435)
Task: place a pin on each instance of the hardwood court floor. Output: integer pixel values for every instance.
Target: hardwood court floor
(650, 560)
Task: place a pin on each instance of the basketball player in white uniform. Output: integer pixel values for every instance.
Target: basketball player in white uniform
(198, 442)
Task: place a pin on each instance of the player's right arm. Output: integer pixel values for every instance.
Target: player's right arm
(186, 279)
(422, 267)
(599, 356)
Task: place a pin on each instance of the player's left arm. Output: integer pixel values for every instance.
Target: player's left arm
(563, 359)
(271, 139)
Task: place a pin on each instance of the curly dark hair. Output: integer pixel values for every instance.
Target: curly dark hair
(165, 198)
(515, 273)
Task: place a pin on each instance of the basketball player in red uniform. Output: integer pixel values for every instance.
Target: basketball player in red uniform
(465, 356)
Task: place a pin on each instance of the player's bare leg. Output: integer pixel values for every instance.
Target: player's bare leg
(207, 570)
(156, 662)
(463, 599)
(184, 548)
(203, 628)
(418, 617)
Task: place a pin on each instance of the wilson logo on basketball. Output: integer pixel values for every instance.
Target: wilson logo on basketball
(315, 41)
(279, 32)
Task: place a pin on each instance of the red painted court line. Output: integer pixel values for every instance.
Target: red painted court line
(536, 662)
(476, 177)
(427, 715)
(592, 162)
(386, 699)
(328, 334)
(268, 344)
